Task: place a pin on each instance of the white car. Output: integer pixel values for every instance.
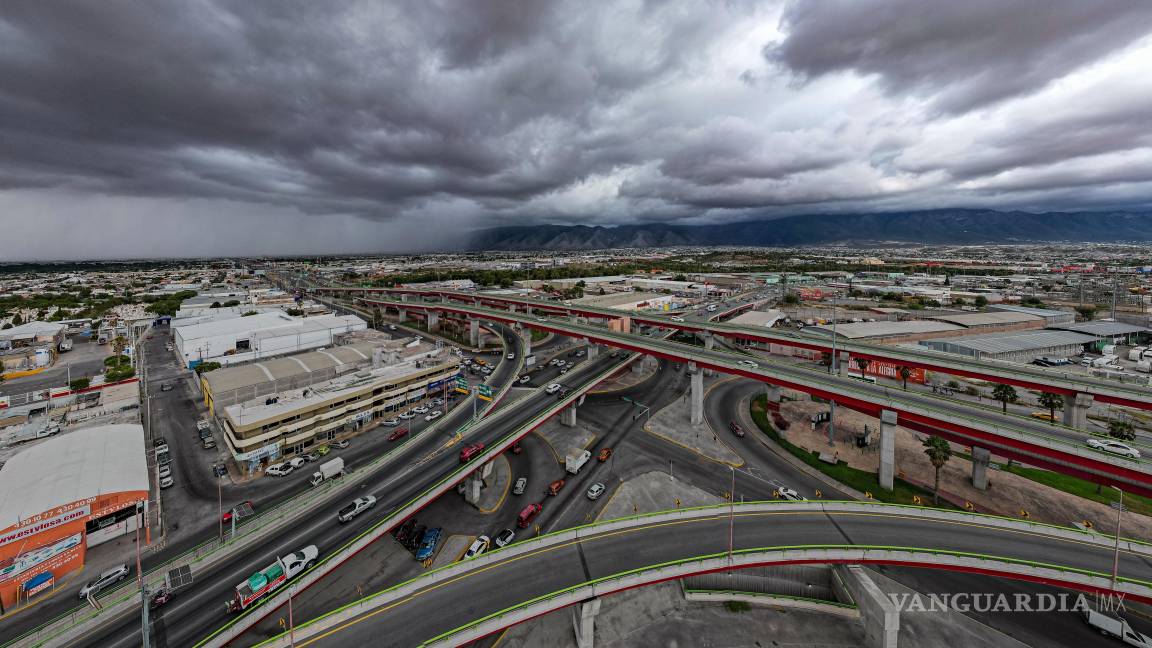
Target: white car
(422, 409)
(479, 546)
(165, 471)
(595, 491)
(505, 538)
(525, 378)
(433, 415)
(104, 580)
(166, 482)
(407, 416)
(510, 356)
(278, 470)
(358, 506)
(677, 319)
(392, 422)
(1115, 447)
(552, 389)
(296, 462)
(202, 424)
(749, 364)
(791, 495)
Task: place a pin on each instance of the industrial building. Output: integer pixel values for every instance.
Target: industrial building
(1113, 332)
(993, 321)
(767, 318)
(62, 496)
(629, 301)
(1051, 317)
(289, 422)
(886, 332)
(230, 341)
(1022, 346)
(30, 345)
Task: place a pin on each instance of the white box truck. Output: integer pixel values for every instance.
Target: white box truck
(328, 470)
(1136, 353)
(575, 459)
(1118, 628)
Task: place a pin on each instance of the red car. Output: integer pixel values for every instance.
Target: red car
(516, 449)
(736, 429)
(527, 515)
(471, 451)
(398, 433)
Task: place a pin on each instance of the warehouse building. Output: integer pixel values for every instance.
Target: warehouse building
(629, 301)
(62, 496)
(1113, 332)
(290, 422)
(992, 321)
(1051, 317)
(885, 332)
(230, 341)
(1015, 347)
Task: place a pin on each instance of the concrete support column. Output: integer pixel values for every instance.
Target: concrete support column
(842, 363)
(772, 392)
(709, 344)
(584, 622)
(697, 396)
(980, 459)
(512, 308)
(887, 448)
(1076, 408)
(472, 486)
(403, 297)
(573, 319)
(880, 616)
(593, 351)
(403, 315)
(474, 332)
(568, 416)
(526, 335)
(433, 322)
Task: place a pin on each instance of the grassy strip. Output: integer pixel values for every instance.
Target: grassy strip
(538, 335)
(1082, 488)
(863, 481)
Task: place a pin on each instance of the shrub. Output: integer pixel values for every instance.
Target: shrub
(78, 384)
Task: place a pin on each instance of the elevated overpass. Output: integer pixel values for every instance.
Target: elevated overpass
(1036, 442)
(1024, 376)
(471, 599)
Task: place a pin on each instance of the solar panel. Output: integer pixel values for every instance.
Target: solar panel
(179, 577)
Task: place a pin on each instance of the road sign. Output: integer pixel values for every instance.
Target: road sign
(484, 392)
(461, 385)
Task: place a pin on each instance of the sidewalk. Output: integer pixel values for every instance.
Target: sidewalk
(654, 491)
(673, 425)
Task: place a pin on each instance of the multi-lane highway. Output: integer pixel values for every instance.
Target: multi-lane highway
(542, 570)
(1057, 447)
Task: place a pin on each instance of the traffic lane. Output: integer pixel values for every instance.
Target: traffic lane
(203, 613)
(436, 609)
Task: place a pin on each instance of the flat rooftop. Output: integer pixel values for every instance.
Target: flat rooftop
(89, 462)
(1014, 342)
(862, 330)
(968, 320)
(1102, 328)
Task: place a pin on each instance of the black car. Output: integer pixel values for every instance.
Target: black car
(219, 469)
(159, 441)
(413, 539)
(402, 532)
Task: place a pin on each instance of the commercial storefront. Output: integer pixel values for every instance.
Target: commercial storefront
(62, 496)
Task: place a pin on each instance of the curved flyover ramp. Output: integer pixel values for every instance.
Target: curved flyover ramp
(471, 599)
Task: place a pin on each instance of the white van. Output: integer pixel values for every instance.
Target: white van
(552, 389)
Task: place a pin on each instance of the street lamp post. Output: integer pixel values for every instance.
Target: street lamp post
(731, 510)
(834, 366)
(1116, 551)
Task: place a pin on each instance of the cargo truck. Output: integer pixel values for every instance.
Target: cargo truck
(1118, 628)
(272, 577)
(575, 460)
(328, 470)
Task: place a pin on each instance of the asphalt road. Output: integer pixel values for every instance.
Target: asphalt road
(194, 613)
(483, 591)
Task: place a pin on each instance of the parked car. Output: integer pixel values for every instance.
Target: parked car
(166, 482)
(407, 416)
(208, 443)
(358, 506)
(165, 386)
(736, 429)
(554, 487)
(392, 422)
(405, 529)
(297, 462)
(160, 442)
(202, 424)
(479, 546)
(219, 470)
(471, 451)
(521, 484)
(163, 458)
(1115, 447)
(433, 415)
(341, 444)
(278, 470)
(165, 471)
(505, 538)
(527, 514)
(605, 455)
(104, 580)
(398, 434)
(163, 448)
(428, 543)
(311, 456)
(596, 491)
(517, 448)
(415, 537)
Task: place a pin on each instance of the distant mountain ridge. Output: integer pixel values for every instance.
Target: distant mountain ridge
(936, 226)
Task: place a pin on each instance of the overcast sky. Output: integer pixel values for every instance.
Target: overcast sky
(204, 127)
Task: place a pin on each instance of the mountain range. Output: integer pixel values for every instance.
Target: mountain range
(936, 226)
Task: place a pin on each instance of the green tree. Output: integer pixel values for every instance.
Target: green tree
(862, 363)
(17, 320)
(1053, 402)
(679, 277)
(231, 302)
(939, 452)
(980, 302)
(205, 367)
(215, 304)
(905, 373)
(791, 299)
(119, 343)
(1087, 311)
(1121, 429)
(78, 384)
(1005, 394)
(959, 301)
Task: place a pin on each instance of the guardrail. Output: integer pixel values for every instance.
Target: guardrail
(68, 626)
(239, 625)
(740, 558)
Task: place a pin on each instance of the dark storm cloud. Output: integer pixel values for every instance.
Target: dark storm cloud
(474, 113)
(967, 54)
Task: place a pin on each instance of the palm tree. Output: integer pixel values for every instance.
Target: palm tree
(939, 452)
(905, 373)
(1121, 429)
(119, 343)
(1005, 394)
(862, 363)
(1053, 402)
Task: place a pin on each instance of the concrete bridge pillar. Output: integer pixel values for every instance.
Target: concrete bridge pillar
(980, 460)
(887, 449)
(1076, 408)
(526, 336)
(403, 297)
(697, 396)
(573, 318)
(593, 351)
(568, 416)
(401, 315)
(472, 485)
(512, 308)
(842, 363)
(709, 344)
(584, 622)
(474, 332)
(433, 322)
(772, 392)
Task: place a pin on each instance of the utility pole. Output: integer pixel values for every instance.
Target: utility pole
(834, 366)
(1115, 287)
(144, 630)
(1116, 552)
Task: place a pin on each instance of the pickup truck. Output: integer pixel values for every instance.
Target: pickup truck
(270, 578)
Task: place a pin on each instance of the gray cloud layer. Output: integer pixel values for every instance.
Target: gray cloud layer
(360, 124)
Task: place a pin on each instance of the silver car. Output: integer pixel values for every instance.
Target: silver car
(521, 484)
(105, 580)
(596, 491)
